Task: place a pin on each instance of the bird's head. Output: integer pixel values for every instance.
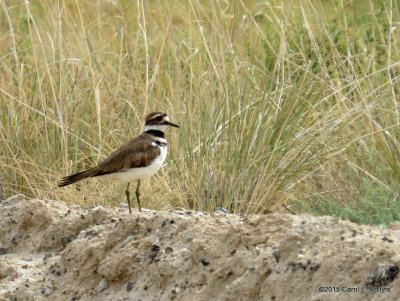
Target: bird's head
(158, 121)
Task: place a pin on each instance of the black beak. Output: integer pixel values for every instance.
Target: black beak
(171, 124)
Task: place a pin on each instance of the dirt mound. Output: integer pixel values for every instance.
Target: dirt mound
(51, 250)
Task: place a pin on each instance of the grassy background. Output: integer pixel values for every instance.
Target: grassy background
(283, 105)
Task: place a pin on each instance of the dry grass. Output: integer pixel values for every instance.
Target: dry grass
(276, 103)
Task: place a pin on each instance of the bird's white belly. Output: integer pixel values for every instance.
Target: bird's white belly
(140, 173)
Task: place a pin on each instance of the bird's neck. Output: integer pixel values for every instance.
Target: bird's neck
(156, 127)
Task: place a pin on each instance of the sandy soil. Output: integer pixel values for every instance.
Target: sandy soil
(51, 250)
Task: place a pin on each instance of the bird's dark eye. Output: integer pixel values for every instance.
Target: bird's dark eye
(159, 118)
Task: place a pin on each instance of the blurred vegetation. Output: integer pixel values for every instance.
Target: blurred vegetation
(283, 105)
(375, 205)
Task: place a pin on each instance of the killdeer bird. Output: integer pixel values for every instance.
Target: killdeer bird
(137, 160)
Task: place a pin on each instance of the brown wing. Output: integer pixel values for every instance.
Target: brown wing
(139, 152)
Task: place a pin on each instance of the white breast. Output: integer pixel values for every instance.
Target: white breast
(141, 173)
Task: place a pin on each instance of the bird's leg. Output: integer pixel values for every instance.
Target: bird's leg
(127, 197)
(137, 196)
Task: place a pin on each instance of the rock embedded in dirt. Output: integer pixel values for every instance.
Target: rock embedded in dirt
(127, 241)
(72, 253)
(221, 210)
(385, 238)
(47, 291)
(103, 284)
(155, 248)
(169, 250)
(382, 275)
(65, 239)
(188, 238)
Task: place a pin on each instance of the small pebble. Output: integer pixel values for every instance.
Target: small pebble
(129, 286)
(221, 210)
(316, 238)
(252, 267)
(385, 238)
(56, 272)
(155, 248)
(168, 250)
(91, 234)
(46, 291)
(123, 205)
(188, 238)
(103, 284)
(127, 241)
(65, 239)
(205, 261)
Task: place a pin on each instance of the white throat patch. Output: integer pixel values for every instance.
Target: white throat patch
(156, 127)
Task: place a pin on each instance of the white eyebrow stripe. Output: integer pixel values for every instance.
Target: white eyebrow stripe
(159, 143)
(162, 140)
(155, 116)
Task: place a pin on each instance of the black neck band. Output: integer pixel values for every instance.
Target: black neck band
(156, 133)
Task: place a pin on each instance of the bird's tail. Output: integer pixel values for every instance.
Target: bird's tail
(77, 177)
